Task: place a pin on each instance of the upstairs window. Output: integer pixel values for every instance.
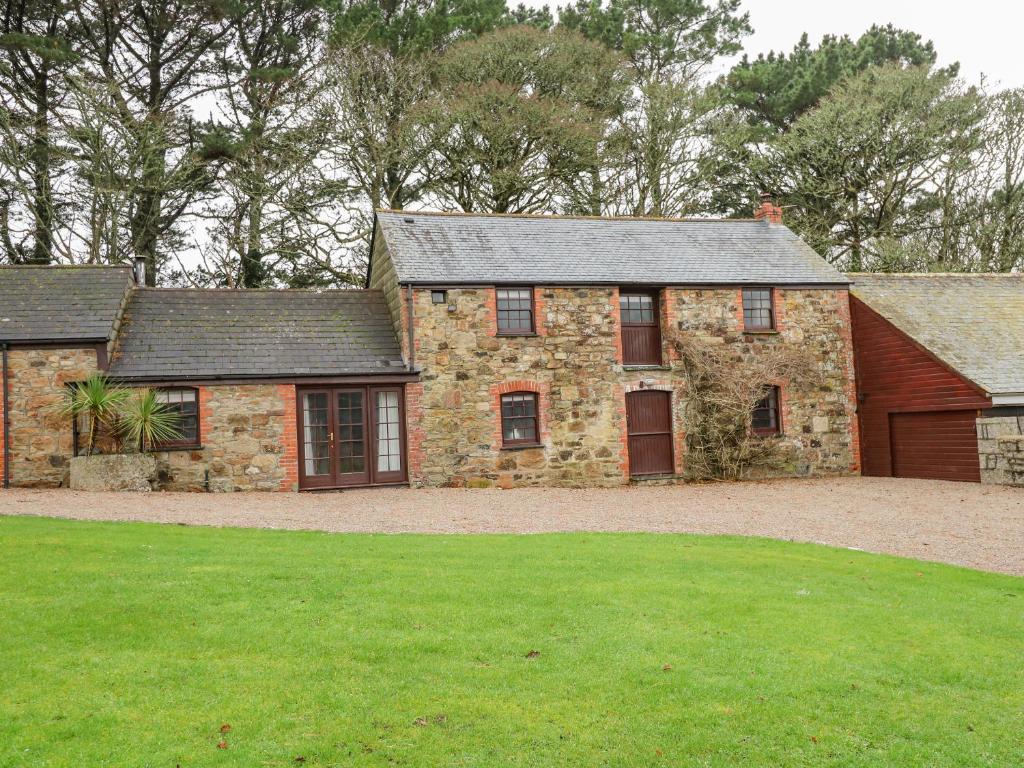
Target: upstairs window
(758, 309)
(184, 402)
(766, 419)
(641, 328)
(515, 311)
(519, 419)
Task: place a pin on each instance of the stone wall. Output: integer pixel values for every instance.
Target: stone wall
(382, 278)
(41, 442)
(574, 364)
(1001, 449)
(248, 435)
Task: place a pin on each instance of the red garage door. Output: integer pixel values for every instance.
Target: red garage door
(936, 445)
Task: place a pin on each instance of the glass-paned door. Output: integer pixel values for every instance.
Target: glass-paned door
(351, 439)
(351, 436)
(316, 436)
(388, 453)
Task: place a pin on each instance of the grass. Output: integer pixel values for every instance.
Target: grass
(133, 644)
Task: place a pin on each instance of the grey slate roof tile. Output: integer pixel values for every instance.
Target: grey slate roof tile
(486, 248)
(189, 333)
(972, 322)
(60, 303)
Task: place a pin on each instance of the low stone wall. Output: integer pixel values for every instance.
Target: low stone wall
(248, 436)
(116, 472)
(1001, 449)
(41, 442)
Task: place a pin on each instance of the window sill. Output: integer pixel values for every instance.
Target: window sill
(645, 367)
(173, 448)
(521, 446)
(529, 335)
(763, 332)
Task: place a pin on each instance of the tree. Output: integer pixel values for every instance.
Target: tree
(271, 136)
(656, 155)
(404, 27)
(661, 36)
(376, 141)
(773, 90)
(156, 57)
(660, 165)
(34, 38)
(866, 164)
(979, 225)
(518, 118)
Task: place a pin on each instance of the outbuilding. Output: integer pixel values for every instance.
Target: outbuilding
(940, 375)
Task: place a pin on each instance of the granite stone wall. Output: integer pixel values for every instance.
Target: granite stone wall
(574, 365)
(41, 442)
(249, 442)
(1001, 449)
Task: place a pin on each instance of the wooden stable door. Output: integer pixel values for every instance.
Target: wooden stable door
(649, 429)
(351, 436)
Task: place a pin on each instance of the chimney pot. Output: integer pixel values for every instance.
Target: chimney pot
(139, 270)
(768, 210)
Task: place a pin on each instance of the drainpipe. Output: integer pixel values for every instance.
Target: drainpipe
(7, 424)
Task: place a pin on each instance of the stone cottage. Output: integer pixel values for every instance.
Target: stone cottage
(251, 374)
(485, 350)
(542, 343)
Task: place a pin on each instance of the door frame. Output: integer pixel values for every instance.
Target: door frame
(370, 425)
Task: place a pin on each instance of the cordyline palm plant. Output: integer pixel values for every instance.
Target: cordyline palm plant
(144, 421)
(99, 400)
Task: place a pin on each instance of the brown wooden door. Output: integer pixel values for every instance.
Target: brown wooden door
(935, 445)
(350, 436)
(649, 428)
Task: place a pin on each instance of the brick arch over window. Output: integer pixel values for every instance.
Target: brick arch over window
(538, 388)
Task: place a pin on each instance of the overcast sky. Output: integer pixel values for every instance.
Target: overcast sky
(983, 35)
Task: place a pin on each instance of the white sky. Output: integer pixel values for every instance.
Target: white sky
(983, 35)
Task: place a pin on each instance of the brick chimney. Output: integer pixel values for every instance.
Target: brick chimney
(768, 210)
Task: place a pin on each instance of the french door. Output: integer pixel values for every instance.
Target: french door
(351, 436)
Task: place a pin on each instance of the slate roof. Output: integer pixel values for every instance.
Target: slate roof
(487, 248)
(972, 322)
(196, 334)
(60, 303)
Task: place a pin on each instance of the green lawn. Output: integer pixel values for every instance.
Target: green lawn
(132, 644)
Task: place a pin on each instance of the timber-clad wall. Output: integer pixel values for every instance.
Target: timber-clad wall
(896, 376)
(574, 364)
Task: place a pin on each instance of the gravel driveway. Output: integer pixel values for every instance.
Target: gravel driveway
(961, 523)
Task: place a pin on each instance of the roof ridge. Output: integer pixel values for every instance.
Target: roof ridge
(242, 291)
(937, 274)
(65, 266)
(566, 216)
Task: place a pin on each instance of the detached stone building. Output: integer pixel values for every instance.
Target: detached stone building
(486, 350)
